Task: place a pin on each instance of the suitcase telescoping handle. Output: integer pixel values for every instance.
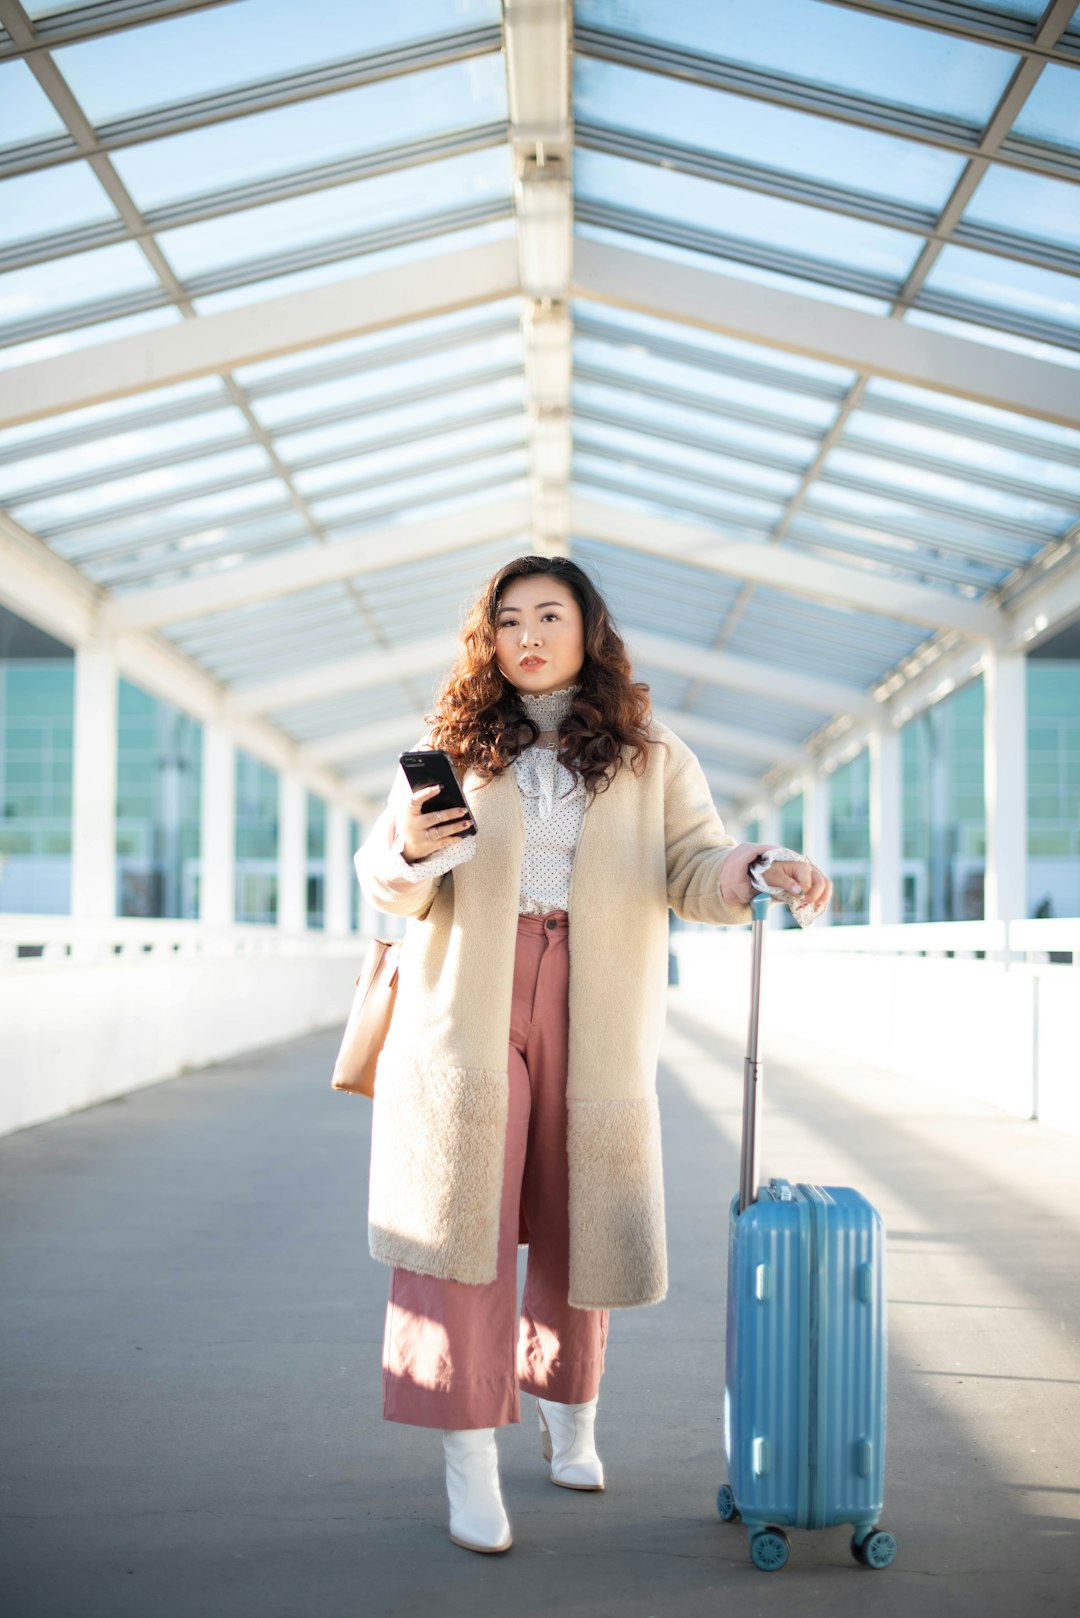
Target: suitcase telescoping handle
(748, 1166)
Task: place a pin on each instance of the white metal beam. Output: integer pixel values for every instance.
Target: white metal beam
(343, 675)
(258, 331)
(783, 569)
(399, 731)
(537, 48)
(748, 674)
(696, 731)
(791, 321)
(313, 565)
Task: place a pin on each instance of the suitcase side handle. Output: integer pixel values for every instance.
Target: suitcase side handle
(752, 1078)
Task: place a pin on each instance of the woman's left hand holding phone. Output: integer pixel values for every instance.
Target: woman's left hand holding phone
(423, 834)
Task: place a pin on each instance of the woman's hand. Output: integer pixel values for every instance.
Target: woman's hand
(423, 834)
(802, 878)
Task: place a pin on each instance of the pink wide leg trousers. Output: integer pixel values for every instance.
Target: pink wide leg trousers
(456, 1355)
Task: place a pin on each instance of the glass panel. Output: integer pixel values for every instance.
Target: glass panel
(494, 485)
(747, 215)
(414, 489)
(1027, 205)
(115, 494)
(894, 515)
(785, 629)
(1052, 111)
(968, 410)
(168, 561)
(730, 390)
(369, 386)
(227, 46)
(98, 416)
(102, 331)
(637, 411)
(632, 483)
(408, 458)
(661, 593)
(78, 279)
(759, 132)
(359, 208)
(371, 344)
(994, 338)
(891, 477)
(29, 115)
(944, 817)
(108, 457)
(1053, 735)
(678, 458)
(316, 859)
(849, 841)
(256, 840)
(842, 539)
(118, 534)
(711, 345)
(158, 790)
(972, 455)
(1029, 10)
(318, 131)
(51, 200)
(37, 706)
(365, 264)
(426, 413)
(1045, 294)
(871, 56)
(729, 266)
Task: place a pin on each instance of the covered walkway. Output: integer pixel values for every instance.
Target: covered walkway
(192, 1337)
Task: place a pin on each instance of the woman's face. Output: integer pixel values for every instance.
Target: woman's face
(539, 634)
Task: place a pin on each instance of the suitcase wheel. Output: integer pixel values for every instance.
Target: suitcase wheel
(769, 1549)
(877, 1550)
(725, 1504)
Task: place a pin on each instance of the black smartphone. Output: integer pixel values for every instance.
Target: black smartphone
(433, 768)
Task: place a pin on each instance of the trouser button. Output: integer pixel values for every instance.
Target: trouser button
(553, 923)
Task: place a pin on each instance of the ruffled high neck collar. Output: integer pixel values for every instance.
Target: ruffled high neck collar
(548, 710)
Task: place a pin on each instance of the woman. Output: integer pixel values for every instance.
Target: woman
(516, 1095)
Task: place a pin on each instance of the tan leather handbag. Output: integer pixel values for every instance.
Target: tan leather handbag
(369, 1020)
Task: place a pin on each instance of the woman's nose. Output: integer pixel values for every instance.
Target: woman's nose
(529, 635)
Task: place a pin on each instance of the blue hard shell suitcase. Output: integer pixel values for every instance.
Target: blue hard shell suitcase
(804, 1406)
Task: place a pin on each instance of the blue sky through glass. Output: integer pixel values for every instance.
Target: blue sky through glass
(28, 112)
(872, 56)
(746, 215)
(314, 132)
(245, 42)
(758, 132)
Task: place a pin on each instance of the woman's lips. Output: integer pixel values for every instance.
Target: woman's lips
(532, 662)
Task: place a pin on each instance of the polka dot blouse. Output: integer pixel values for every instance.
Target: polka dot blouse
(553, 806)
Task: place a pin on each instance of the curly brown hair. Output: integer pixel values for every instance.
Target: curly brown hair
(479, 719)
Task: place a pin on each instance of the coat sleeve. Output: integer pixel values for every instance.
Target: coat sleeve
(706, 868)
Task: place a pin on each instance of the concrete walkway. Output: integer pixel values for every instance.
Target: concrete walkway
(191, 1338)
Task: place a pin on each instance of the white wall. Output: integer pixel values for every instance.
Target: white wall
(73, 1032)
(1004, 1033)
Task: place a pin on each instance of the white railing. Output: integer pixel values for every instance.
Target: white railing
(27, 938)
(1031, 941)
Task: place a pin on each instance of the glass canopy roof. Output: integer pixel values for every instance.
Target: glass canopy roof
(165, 165)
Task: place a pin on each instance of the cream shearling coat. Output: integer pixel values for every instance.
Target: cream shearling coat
(648, 842)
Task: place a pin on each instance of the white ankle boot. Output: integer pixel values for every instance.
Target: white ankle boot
(478, 1519)
(566, 1435)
